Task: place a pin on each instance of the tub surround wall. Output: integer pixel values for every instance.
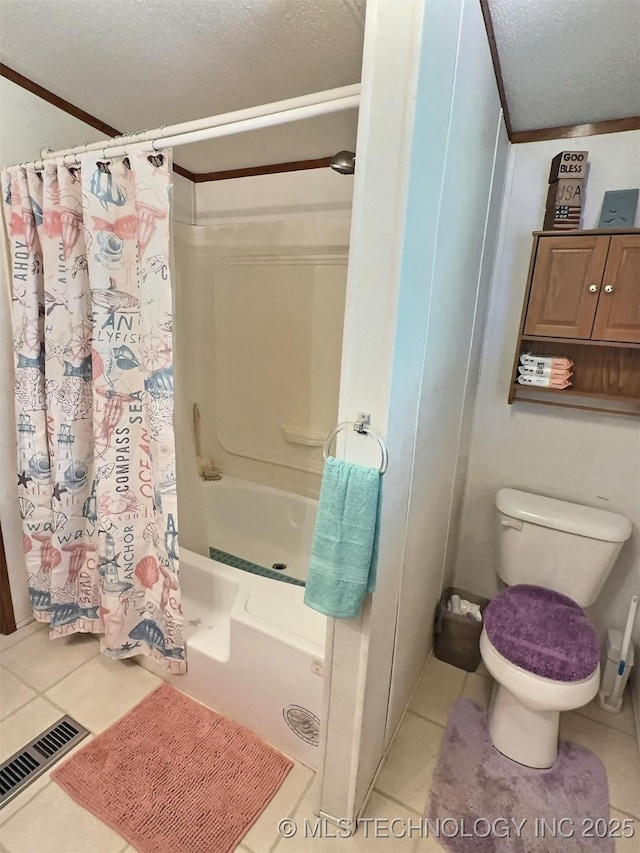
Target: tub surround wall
(578, 456)
(288, 195)
(635, 696)
(262, 289)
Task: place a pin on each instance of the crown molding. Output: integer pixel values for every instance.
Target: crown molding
(497, 70)
(568, 131)
(71, 109)
(272, 169)
(109, 131)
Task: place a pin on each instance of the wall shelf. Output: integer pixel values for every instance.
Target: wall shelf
(543, 339)
(583, 302)
(576, 400)
(525, 392)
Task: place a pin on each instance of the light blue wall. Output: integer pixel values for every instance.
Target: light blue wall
(457, 171)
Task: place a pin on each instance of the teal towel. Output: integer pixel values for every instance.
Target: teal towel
(342, 569)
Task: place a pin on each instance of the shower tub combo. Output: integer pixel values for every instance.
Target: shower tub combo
(255, 652)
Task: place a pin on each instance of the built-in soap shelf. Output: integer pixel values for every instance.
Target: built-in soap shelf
(306, 437)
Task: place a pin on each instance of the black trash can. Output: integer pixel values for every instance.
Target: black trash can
(457, 635)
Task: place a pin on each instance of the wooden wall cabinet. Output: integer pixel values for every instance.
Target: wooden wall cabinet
(583, 301)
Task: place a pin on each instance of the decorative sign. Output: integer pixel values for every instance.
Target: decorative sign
(562, 217)
(566, 191)
(619, 209)
(569, 164)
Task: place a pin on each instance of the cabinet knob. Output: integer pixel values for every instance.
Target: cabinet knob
(608, 288)
(593, 288)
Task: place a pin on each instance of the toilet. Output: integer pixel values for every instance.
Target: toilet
(536, 641)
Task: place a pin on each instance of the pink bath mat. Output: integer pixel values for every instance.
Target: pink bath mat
(172, 776)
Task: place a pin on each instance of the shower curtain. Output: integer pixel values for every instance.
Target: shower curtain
(92, 321)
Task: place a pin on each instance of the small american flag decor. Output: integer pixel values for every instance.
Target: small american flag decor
(562, 217)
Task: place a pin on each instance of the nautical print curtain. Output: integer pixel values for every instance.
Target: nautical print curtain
(92, 320)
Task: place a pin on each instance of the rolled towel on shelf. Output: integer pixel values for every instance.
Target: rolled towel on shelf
(557, 372)
(559, 383)
(554, 362)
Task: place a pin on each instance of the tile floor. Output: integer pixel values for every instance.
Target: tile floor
(39, 681)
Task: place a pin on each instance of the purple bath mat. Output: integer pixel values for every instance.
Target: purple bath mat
(482, 802)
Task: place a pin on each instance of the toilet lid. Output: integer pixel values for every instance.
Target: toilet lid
(542, 631)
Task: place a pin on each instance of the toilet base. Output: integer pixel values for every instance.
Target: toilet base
(523, 734)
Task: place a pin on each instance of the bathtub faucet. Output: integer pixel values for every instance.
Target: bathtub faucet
(210, 472)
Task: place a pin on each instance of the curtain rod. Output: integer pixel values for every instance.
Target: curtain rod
(225, 124)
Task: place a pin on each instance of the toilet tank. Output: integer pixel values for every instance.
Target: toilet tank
(555, 544)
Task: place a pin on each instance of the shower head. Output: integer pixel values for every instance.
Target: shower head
(344, 162)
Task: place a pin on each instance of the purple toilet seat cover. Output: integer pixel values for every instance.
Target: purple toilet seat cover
(542, 631)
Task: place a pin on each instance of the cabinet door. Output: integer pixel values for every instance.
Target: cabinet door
(618, 314)
(567, 276)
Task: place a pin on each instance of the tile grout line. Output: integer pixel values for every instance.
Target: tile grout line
(65, 712)
(461, 693)
(20, 707)
(605, 725)
(22, 639)
(426, 719)
(582, 717)
(571, 711)
(21, 679)
(306, 788)
(3, 822)
(43, 693)
(396, 801)
(628, 814)
(577, 711)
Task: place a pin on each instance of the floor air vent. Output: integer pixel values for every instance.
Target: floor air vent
(32, 760)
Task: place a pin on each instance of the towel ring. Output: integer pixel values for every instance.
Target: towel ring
(360, 427)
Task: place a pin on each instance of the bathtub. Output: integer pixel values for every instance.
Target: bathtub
(255, 652)
(261, 525)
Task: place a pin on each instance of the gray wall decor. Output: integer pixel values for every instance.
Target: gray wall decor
(619, 209)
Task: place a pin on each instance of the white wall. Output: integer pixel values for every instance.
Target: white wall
(359, 651)
(27, 124)
(421, 278)
(579, 456)
(458, 165)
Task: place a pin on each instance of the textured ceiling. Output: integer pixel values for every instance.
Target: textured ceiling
(145, 63)
(568, 61)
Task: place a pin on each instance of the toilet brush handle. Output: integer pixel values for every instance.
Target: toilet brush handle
(628, 628)
(616, 693)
